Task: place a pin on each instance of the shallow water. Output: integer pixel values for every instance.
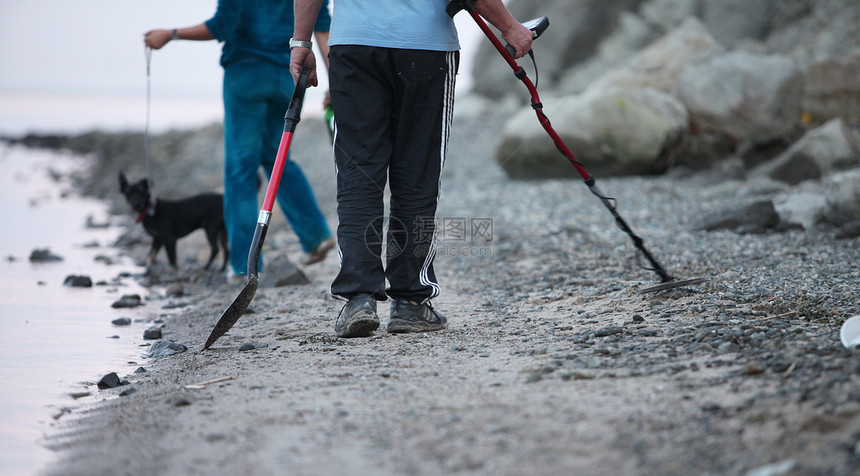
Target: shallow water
(57, 340)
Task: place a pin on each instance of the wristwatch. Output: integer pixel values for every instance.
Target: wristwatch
(300, 44)
(174, 35)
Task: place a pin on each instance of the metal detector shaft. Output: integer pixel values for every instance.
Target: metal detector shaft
(520, 73)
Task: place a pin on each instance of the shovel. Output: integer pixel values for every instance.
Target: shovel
(240, 304)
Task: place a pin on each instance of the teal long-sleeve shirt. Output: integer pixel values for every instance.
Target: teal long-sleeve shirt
(258, 29)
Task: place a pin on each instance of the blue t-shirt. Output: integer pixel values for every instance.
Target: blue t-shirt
(258, 29)
(408, 24)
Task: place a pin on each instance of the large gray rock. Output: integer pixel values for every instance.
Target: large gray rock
(833, 89)
(819, 152)
(749, 97)
(730, 22)
(280, 271)
(666, 15)
(734, 21)
(806, 209)
(812, 31)
(661, 64)
(631, 35)
(756, 217)
(612, 131)
(576, 28)
(843, 198)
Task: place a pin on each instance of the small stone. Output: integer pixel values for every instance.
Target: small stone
(582, 375)
(607, 331)
(122, 321)
(180, 399)
(638, 318)
(44, 255)
(175, 290)
(774, 469)
(728, 348)
(110, 380)
(164, 348)
(127, 392)
(534, 377)
(75, 281)
(754, 368)
(127, 301)
(246, 347)
(153, 333)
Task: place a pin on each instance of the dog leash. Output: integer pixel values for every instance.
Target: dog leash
(150, 209)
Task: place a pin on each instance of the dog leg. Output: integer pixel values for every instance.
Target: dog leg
(211, 236)
(153, 252)
(170, 247)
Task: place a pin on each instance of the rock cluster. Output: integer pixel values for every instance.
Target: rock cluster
(645, 86)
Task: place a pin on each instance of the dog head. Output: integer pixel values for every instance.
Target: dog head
(137, 193)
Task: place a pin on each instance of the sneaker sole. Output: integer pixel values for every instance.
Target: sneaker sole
(360, 327)
(398, 326)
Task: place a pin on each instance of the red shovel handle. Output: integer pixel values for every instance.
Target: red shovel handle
(291, 119)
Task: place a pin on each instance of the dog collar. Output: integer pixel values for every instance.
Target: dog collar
(149, 210)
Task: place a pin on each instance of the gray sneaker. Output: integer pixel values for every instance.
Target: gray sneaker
(358, 317)
(409, 317)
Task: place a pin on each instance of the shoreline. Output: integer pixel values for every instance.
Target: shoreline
(553, 362)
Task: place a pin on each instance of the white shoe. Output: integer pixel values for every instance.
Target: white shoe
(234, 278)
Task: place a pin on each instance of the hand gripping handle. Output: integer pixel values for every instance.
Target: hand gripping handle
(294, 112)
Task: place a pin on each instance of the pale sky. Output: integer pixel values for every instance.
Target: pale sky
(59, 59)
(97, 46)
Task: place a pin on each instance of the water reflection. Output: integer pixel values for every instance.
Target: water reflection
(57, 339)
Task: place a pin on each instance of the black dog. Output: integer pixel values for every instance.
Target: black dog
(169, 220)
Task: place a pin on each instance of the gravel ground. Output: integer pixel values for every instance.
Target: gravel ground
(554, 362)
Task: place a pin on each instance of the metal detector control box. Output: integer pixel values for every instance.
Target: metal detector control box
(537, 26)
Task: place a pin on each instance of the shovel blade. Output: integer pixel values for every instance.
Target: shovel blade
(234, 312)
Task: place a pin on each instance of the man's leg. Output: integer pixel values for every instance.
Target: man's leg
(423, 121)
(361, 93)
(245, 96)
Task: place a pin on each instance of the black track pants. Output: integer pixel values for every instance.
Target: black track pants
(393, 111)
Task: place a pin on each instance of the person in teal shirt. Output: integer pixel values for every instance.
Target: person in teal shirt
(256, 91)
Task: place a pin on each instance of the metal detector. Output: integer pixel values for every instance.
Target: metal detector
(538, 26)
